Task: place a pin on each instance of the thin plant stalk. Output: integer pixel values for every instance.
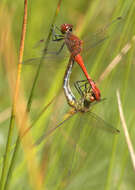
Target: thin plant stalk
(24, 120)
(15, 100)
(31, 125)
(125, 129)
(116, 60)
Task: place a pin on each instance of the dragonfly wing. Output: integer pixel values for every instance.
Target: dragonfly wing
(91, 44)
(52, 54)
(98, 122)
(49, 132)
(34, 60)
(49, 57)
(99, 37)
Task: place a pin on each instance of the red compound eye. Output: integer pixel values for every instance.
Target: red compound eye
(66, 27)
(92, 99)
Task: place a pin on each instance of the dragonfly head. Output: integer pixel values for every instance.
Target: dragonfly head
(66, 28)
(89, 97)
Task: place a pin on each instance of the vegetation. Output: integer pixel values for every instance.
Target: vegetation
(76, 155)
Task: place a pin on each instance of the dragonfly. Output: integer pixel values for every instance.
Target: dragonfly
(75, 47)
(87, 99)
(82, 105)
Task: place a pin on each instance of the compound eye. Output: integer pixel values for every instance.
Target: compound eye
(92, 98)
(70, 29)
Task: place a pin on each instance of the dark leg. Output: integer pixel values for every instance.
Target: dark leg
(78, 89)
(78, 86)
(56, 37)
(61, 48)
(83, 82)
(58, 52)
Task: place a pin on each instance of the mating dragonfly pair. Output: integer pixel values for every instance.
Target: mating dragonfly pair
(89, 92)
(87, 89)
(74, 45)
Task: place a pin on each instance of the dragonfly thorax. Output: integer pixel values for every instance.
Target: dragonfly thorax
(74, 44)
(84, 104)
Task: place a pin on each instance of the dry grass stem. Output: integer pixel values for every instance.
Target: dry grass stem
(125, 129)
(116, 60)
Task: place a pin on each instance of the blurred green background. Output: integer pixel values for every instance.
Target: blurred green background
(75, 156)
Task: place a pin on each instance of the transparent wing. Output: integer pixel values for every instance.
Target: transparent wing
(49, 132)
(99, 37)
(52, 54)
(47, 58)
(98, 122)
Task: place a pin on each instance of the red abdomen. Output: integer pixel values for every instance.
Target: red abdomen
(96, 91)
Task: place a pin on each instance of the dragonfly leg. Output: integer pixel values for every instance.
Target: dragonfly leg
(61, 48)
(57, 39)
(79, 87)
(86, 88)
(59, 51)
(82, 81)
(55, 36)
(82, 88)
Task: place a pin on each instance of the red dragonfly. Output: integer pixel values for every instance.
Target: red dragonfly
(74, 45)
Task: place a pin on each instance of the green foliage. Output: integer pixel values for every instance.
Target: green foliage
(76, 156)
